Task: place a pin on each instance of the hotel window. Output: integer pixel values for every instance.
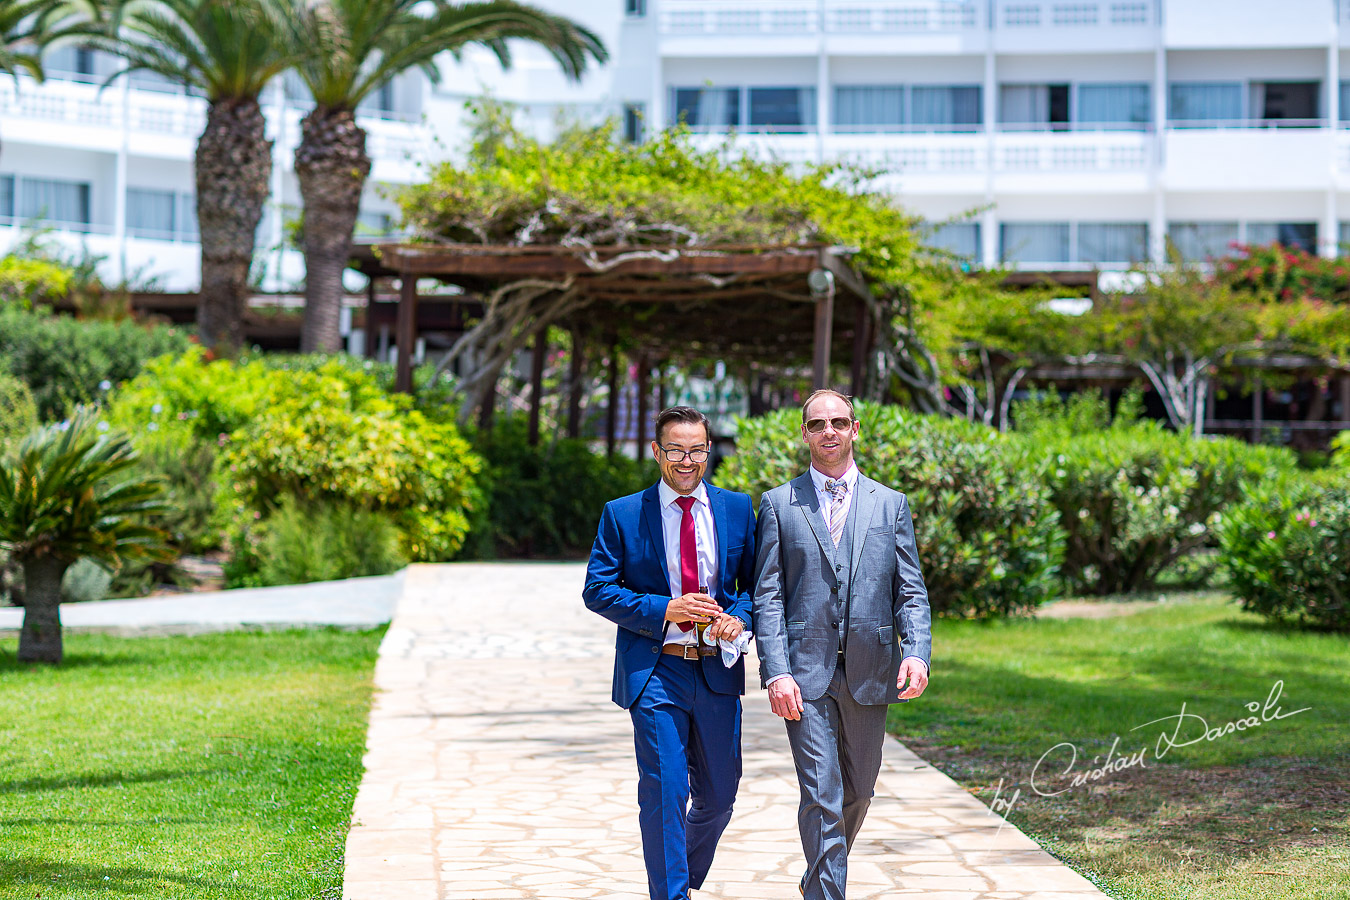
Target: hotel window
(69, 64)
(54, 200)
(946, 108)
(1034, 107)
(6, 197)
(869, 108)
(379, 103)
(632, 122)
(1112, 242)
(1204, 104)
(1343, 239)
(1118, 107)
(1034, 242)
(957, 238)
(1289, 103)
(635, 8)
(1199, 241)
(161, 215)
(782, 108)
(1289, 234)
(707, 109)
(151, 213)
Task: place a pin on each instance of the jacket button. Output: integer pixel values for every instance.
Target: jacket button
(656, 649)
(834, 624)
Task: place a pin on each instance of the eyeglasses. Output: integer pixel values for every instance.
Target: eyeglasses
(839, 423)
(677, 455)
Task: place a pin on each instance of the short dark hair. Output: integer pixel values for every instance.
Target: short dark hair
(685, 414)
(826, 392)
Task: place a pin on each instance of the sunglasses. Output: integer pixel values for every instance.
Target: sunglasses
(839, 423)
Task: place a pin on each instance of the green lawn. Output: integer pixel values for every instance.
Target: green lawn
(220, 766)
(1256, 813)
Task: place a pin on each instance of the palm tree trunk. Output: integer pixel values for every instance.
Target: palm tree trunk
(234, 168)
(332, 166)
(40, 639)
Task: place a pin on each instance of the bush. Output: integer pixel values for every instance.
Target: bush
(67, 362)
(989, 541)
(547, 500)
(26, 281)
(18, 411)
(1134, 498)
(306, 541)
(1286, 550)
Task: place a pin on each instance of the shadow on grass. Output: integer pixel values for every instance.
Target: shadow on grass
(133, 880)
(106, 779)
(9, 661)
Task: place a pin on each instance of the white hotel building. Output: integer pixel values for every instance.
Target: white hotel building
(1075, 133)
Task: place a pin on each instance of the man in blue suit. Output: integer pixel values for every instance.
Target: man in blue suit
(679, 555)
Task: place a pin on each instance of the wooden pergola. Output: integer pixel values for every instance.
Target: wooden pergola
(782, 307)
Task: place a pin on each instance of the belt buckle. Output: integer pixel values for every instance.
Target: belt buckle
(686, 652)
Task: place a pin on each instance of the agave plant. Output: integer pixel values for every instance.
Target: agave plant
(70, 491)
(347, 49)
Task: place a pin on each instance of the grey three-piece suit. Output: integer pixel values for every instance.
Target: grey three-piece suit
(813, 600)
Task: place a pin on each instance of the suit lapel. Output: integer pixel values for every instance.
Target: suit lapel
(651, 517)
(864, 505)
(805, 493)
(717, 502)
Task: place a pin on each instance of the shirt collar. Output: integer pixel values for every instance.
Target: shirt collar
(818, 478)
(668, 495)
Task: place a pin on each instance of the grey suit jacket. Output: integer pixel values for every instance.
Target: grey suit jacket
(796, 607)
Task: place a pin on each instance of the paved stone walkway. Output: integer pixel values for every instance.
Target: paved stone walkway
(351, 603)
(499, 768)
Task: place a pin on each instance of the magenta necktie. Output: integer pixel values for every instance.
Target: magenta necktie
(688, 553)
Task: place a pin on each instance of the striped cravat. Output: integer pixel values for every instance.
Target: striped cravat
(838, 491)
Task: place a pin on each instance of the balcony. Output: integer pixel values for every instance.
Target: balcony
(1240, 157)
(1115, 26)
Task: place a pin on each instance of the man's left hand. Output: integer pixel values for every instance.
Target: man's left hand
(916, 673)
(725, 627)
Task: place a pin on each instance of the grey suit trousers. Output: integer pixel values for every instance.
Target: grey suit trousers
(837, 748)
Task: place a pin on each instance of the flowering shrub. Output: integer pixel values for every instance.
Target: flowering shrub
(1287, 273)
(1286, 550)
(989, 540)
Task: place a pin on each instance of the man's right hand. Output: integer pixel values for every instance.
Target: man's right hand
(693, 607)
(785, 698)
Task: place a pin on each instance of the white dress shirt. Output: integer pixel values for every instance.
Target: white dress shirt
(819, 478)
(705, 534)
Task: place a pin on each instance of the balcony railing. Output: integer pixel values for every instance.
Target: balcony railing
(1244, 124)
(1020, 14)
(788, 17)
(74, 103)
(1026, 153)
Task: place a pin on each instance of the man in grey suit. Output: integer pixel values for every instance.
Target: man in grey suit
(837, 582)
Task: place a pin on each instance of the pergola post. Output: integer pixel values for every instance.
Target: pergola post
(406, 331)
(824, 331)
(644, 390)
(537, 382)
(612, 412)
(488, 410)
(370, 317)
(576, 368)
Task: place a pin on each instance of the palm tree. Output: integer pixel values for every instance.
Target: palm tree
(22, 36)
(349, 48)
(227, 52)
(67, 492)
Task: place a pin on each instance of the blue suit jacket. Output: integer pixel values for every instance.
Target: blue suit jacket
(627, 583)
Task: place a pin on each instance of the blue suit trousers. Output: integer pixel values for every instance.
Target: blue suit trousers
(688, 742)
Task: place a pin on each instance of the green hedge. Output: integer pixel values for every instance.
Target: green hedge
(1135, 498)
(989, 539)
(18, 411)
(546, 501)
(67, 362)
(1286, 549)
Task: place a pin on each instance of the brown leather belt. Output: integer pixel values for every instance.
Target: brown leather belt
(688, 651)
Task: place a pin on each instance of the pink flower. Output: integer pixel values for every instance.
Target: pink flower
(1270, 535)
(1313, 523)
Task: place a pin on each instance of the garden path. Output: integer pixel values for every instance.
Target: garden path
(497, 767)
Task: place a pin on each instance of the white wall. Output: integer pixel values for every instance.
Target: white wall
(1248, 23)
